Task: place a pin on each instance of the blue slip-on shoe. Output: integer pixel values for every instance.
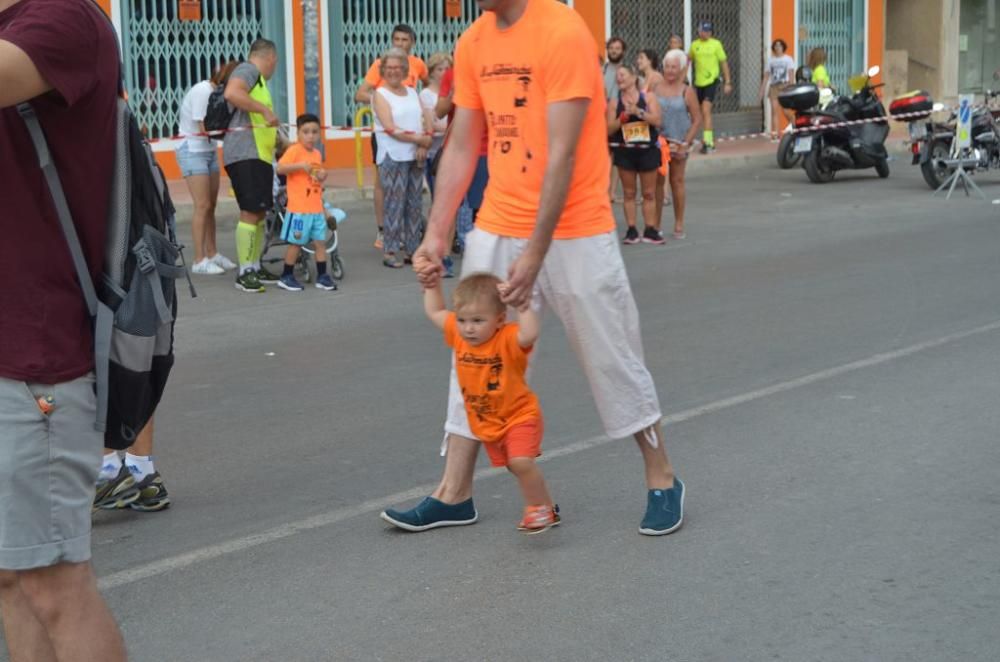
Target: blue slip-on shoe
(664, 511)
(430, 514)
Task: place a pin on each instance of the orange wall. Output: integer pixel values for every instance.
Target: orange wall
(783, 22)
(593, 14)
(105, 5)
(876, 33)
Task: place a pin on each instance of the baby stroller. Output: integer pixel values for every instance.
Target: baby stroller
(305, 267)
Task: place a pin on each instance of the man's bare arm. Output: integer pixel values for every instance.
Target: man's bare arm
(565, 122)
(238, 94)
(20, 79)
(455, 170)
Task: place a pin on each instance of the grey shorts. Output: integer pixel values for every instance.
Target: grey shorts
(48, 468)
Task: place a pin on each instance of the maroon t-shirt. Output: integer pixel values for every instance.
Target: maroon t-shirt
(45, 331)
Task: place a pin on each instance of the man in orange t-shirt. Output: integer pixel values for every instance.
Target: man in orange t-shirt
(528, 70)
(405, 38)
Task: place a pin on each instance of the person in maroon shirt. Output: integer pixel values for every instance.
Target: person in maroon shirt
(61, 57)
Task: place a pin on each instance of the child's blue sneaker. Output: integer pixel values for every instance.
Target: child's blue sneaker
(325, 282)
(449, 267)
(664, 511)
(289, 283)
(430, 514)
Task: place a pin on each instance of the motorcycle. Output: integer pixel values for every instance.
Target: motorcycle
(932, 144)
(786, 156)
(827, 149)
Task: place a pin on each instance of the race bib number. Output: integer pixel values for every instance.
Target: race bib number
(635, 132)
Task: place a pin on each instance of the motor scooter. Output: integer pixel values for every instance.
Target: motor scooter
(826, 143)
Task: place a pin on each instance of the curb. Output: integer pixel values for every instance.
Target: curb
(697, 166)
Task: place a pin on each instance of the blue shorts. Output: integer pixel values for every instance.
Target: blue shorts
(197, 163)
(300, 229)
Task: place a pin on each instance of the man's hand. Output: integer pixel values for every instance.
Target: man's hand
(504, 290)
(521, 279)
(270, 117)
(727, 88)
(320, 174)
(427, 262)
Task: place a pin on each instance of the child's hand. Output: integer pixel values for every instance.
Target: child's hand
(504, 289)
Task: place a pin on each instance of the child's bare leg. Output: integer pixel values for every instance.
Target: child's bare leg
(291, 255)
(532, 482)
(320, 247)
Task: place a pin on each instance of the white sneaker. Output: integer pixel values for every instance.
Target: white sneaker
(207, 268)
(223, 262)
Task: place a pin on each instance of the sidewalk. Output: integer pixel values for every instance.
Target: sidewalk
(341, 184)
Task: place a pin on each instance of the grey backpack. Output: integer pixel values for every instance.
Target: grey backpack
(134, 305)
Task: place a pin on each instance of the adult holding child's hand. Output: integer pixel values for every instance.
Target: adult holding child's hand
(546, 220)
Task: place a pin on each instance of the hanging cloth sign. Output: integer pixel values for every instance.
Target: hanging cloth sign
(453, 8)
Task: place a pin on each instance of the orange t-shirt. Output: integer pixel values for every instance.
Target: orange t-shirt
(305, 192)
(548, 55)
(418, 72)
(491, 377)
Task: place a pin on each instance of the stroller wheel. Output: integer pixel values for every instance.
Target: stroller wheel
(336, 267)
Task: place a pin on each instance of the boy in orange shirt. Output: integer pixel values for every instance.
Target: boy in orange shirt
(491, 357)
(306, 217)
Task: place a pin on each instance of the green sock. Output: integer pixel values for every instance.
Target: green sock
(247, 248)
(259, 246)
(709, 138)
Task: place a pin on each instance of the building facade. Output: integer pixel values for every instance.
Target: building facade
(947, 47)
(326, 46)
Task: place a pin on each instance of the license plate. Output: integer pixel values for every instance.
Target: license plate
(917, 130)
(803, 144)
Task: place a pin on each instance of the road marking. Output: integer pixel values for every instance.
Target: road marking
(210, 552)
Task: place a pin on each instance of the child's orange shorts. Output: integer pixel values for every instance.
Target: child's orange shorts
(524, 440)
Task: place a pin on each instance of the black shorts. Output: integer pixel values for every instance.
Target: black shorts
(374, 148)
(253, 183)
(707, 93)
(640, 159)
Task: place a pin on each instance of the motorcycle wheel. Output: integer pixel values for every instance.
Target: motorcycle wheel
(936, 175)
(787, 158)
(882, 168)
(815, 171)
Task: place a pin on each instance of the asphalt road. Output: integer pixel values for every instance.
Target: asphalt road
(827, 358)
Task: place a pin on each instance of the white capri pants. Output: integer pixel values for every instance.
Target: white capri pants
(585, 284)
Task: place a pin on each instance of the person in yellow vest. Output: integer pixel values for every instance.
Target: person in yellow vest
(709, 60)
(248, 154)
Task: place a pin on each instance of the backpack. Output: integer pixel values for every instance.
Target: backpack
(134, 307)
(219, 113)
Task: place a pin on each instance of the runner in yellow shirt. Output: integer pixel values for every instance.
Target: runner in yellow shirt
(708, 57)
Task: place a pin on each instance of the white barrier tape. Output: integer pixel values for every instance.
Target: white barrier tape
(237, 129)
(812, 128)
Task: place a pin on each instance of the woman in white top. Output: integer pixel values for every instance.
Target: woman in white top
(198, 160)
(779, 73)
(436, 66)
(404, 138)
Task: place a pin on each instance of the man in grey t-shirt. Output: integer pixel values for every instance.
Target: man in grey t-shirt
(615, 51)
(248, 154)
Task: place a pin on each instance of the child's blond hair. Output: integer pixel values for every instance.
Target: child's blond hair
(480, 287)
